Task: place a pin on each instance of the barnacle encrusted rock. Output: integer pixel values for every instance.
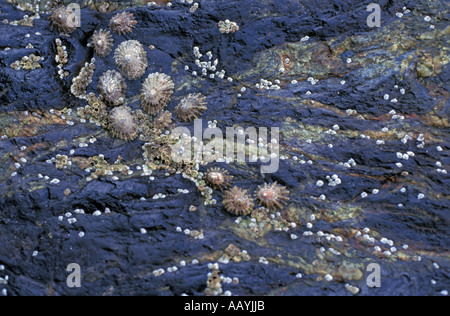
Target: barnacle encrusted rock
(238, 202)
(63, 20)
(218, 178)
(191, 107)
(61, 161)
(237, 255)
(228, 27)
(99, 167)
(213, 283)
(272, 196)
(81, 82)
(96, 112)
(112, 88)
(156, 92)
(158, 152)
(27, 62)
(102, 41)
(122, 23)
(162, 121)
(61, 52)
(122, 123)
(131, 59)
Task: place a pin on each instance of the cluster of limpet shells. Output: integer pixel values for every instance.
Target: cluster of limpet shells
(237, 201)
(130, 58)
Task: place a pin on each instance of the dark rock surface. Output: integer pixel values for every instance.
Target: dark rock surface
(39, 239)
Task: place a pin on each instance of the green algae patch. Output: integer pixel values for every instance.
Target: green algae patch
(337, 212)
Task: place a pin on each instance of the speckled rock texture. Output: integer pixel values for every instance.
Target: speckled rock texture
(364, 147)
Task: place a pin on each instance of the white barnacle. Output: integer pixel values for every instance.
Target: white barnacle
(72, 220)
(263, 260)
(158, 272)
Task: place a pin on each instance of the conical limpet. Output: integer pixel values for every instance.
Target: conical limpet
(238, 202)
(122, 124)
(156, 92)
(190, 107)
(218, 179)
(131, 59)
(122, 23)
(163, 120)
(272, 196)
(112, 88)
(102, 41)
(63, 20)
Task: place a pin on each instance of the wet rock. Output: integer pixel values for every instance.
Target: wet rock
(366, 106)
